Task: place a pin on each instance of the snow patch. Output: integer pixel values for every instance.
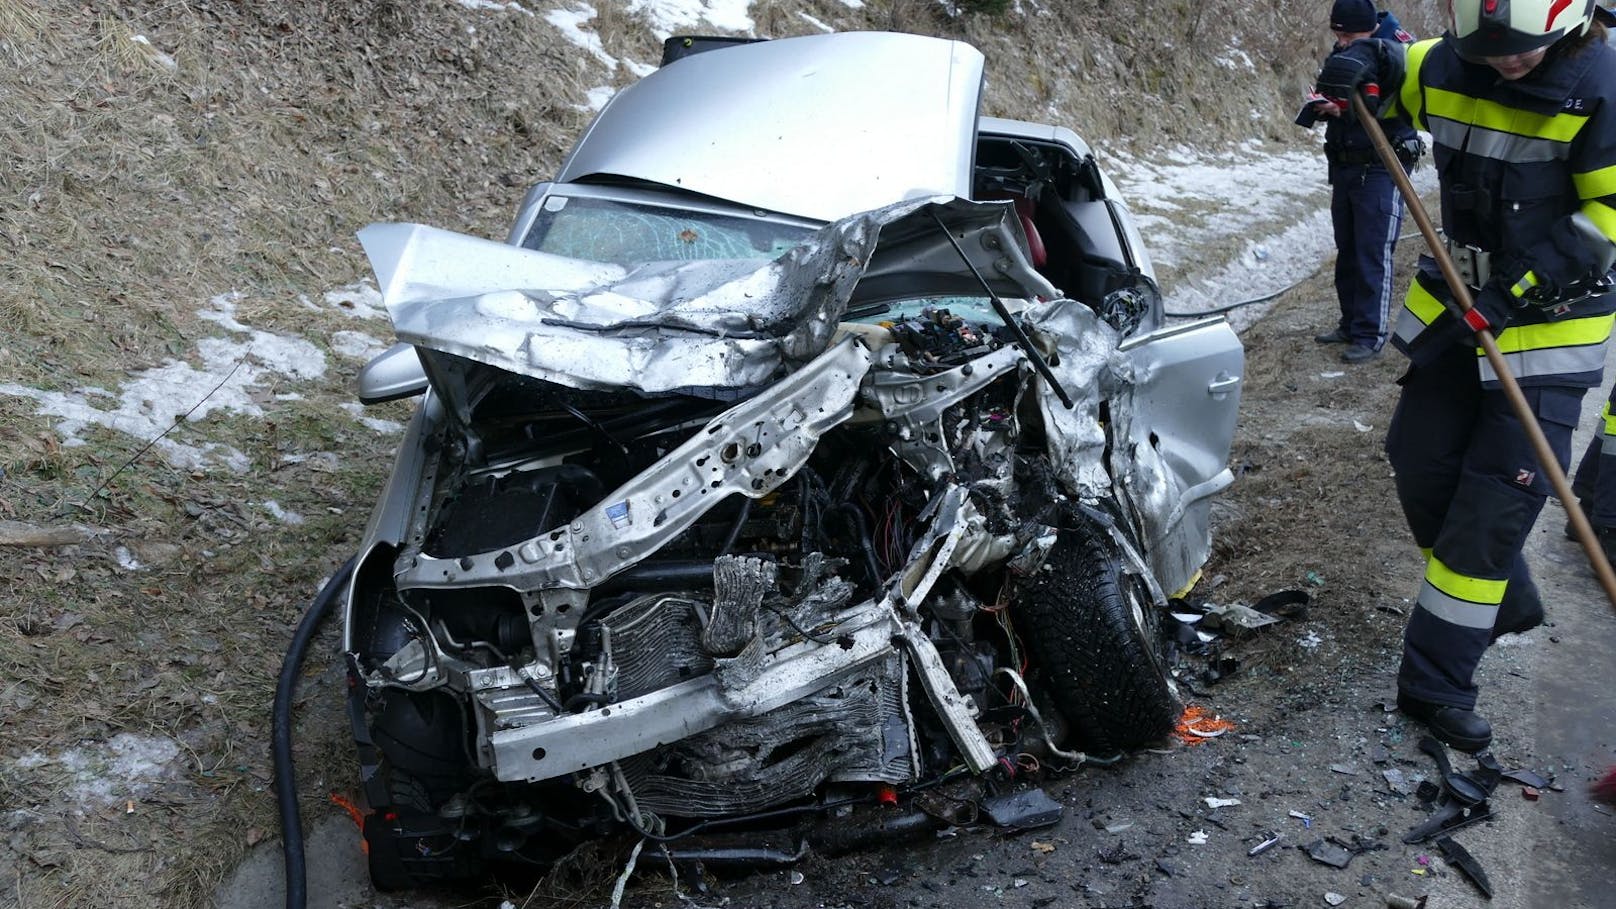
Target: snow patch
(670, 16)
(361, 300)
(283, 515)
(385, 427)
(126, 559)
(156, 56)
(104, 773)
(355, 345)
(816, 23)
(597, 97)
(1187, 202)
(1235, 58)
(502, 7)
(569, 21)
(153, 400)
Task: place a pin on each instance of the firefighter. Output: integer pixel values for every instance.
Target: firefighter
(1595, 482)
(1365, 208)
(1520, 101)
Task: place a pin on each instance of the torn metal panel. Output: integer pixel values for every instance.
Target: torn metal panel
(664, 326)
(1081, 348)
(1171, 439)
(750, 449)
(580, 741)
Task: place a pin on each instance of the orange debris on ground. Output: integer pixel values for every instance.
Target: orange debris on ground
(346, 804)
(1197, 725)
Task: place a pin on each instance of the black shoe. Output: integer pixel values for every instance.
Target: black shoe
(1357, 353)
(1464, 730)
(1332, 337)
(1530, 616)
(1605, 535)
(1570, 531)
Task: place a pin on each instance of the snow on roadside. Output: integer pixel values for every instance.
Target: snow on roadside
(570, 22)
(495, 5)
(1269, 207)
(153, 400)
(360, 299)
(97, 774)
(670, 16)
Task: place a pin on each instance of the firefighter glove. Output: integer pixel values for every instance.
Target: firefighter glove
(1490, 311)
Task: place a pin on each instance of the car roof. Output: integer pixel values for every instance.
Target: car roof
(820, 127)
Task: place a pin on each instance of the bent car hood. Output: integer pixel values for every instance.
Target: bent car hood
(668, 326)
(797, 125)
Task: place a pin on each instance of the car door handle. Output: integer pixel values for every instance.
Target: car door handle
(1223, 384)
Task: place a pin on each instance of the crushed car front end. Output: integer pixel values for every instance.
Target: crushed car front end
(723, 511)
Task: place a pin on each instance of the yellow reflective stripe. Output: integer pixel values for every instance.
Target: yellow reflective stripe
(1596, 183)
(1492, 115)
(1526, 283)
(1603, 216)
(1426, 551)
(1463, 587)
(1610, 422)
(1420, 302)
(1408, 96)
(1568, 333)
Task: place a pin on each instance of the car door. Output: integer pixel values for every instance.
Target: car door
(1173, 425)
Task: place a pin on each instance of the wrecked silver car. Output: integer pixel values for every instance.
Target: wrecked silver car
(807, 445)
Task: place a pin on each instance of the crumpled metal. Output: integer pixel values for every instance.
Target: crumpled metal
(667, 326)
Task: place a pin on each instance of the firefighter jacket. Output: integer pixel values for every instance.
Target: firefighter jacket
(1528, 179)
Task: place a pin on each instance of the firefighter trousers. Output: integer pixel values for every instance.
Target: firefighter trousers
(1595, 483)
(1471, 488)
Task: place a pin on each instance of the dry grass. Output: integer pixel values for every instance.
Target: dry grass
(132, 191)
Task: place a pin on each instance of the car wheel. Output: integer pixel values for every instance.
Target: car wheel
(1092, 632)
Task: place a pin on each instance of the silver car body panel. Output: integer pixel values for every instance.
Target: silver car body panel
(1174, 427)
(794, 126)
(750, 449)
(670, 325)
(765, 679)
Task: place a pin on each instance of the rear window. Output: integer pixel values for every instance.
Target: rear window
(602, 230)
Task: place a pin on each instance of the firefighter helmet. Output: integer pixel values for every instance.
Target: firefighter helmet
(1502, 28)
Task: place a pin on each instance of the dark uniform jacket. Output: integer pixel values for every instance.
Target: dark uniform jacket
(1346, 144)
(1517, 161)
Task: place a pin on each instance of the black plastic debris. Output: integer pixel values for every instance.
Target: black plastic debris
(1285, 604)
(1328, 853)
(1028, 809)
(1448, 817)
(1219, 668)
(1460, 858)
(1527, 778)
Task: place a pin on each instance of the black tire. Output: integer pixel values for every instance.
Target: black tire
(1092, 633)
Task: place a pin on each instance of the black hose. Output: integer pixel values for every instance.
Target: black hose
(1255, 300)
(281, 736)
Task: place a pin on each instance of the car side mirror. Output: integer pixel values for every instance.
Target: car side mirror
(393, 374)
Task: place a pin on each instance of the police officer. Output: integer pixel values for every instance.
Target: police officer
(1520, 101)
(1365, 208)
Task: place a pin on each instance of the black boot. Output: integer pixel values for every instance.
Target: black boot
(1464, 730)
